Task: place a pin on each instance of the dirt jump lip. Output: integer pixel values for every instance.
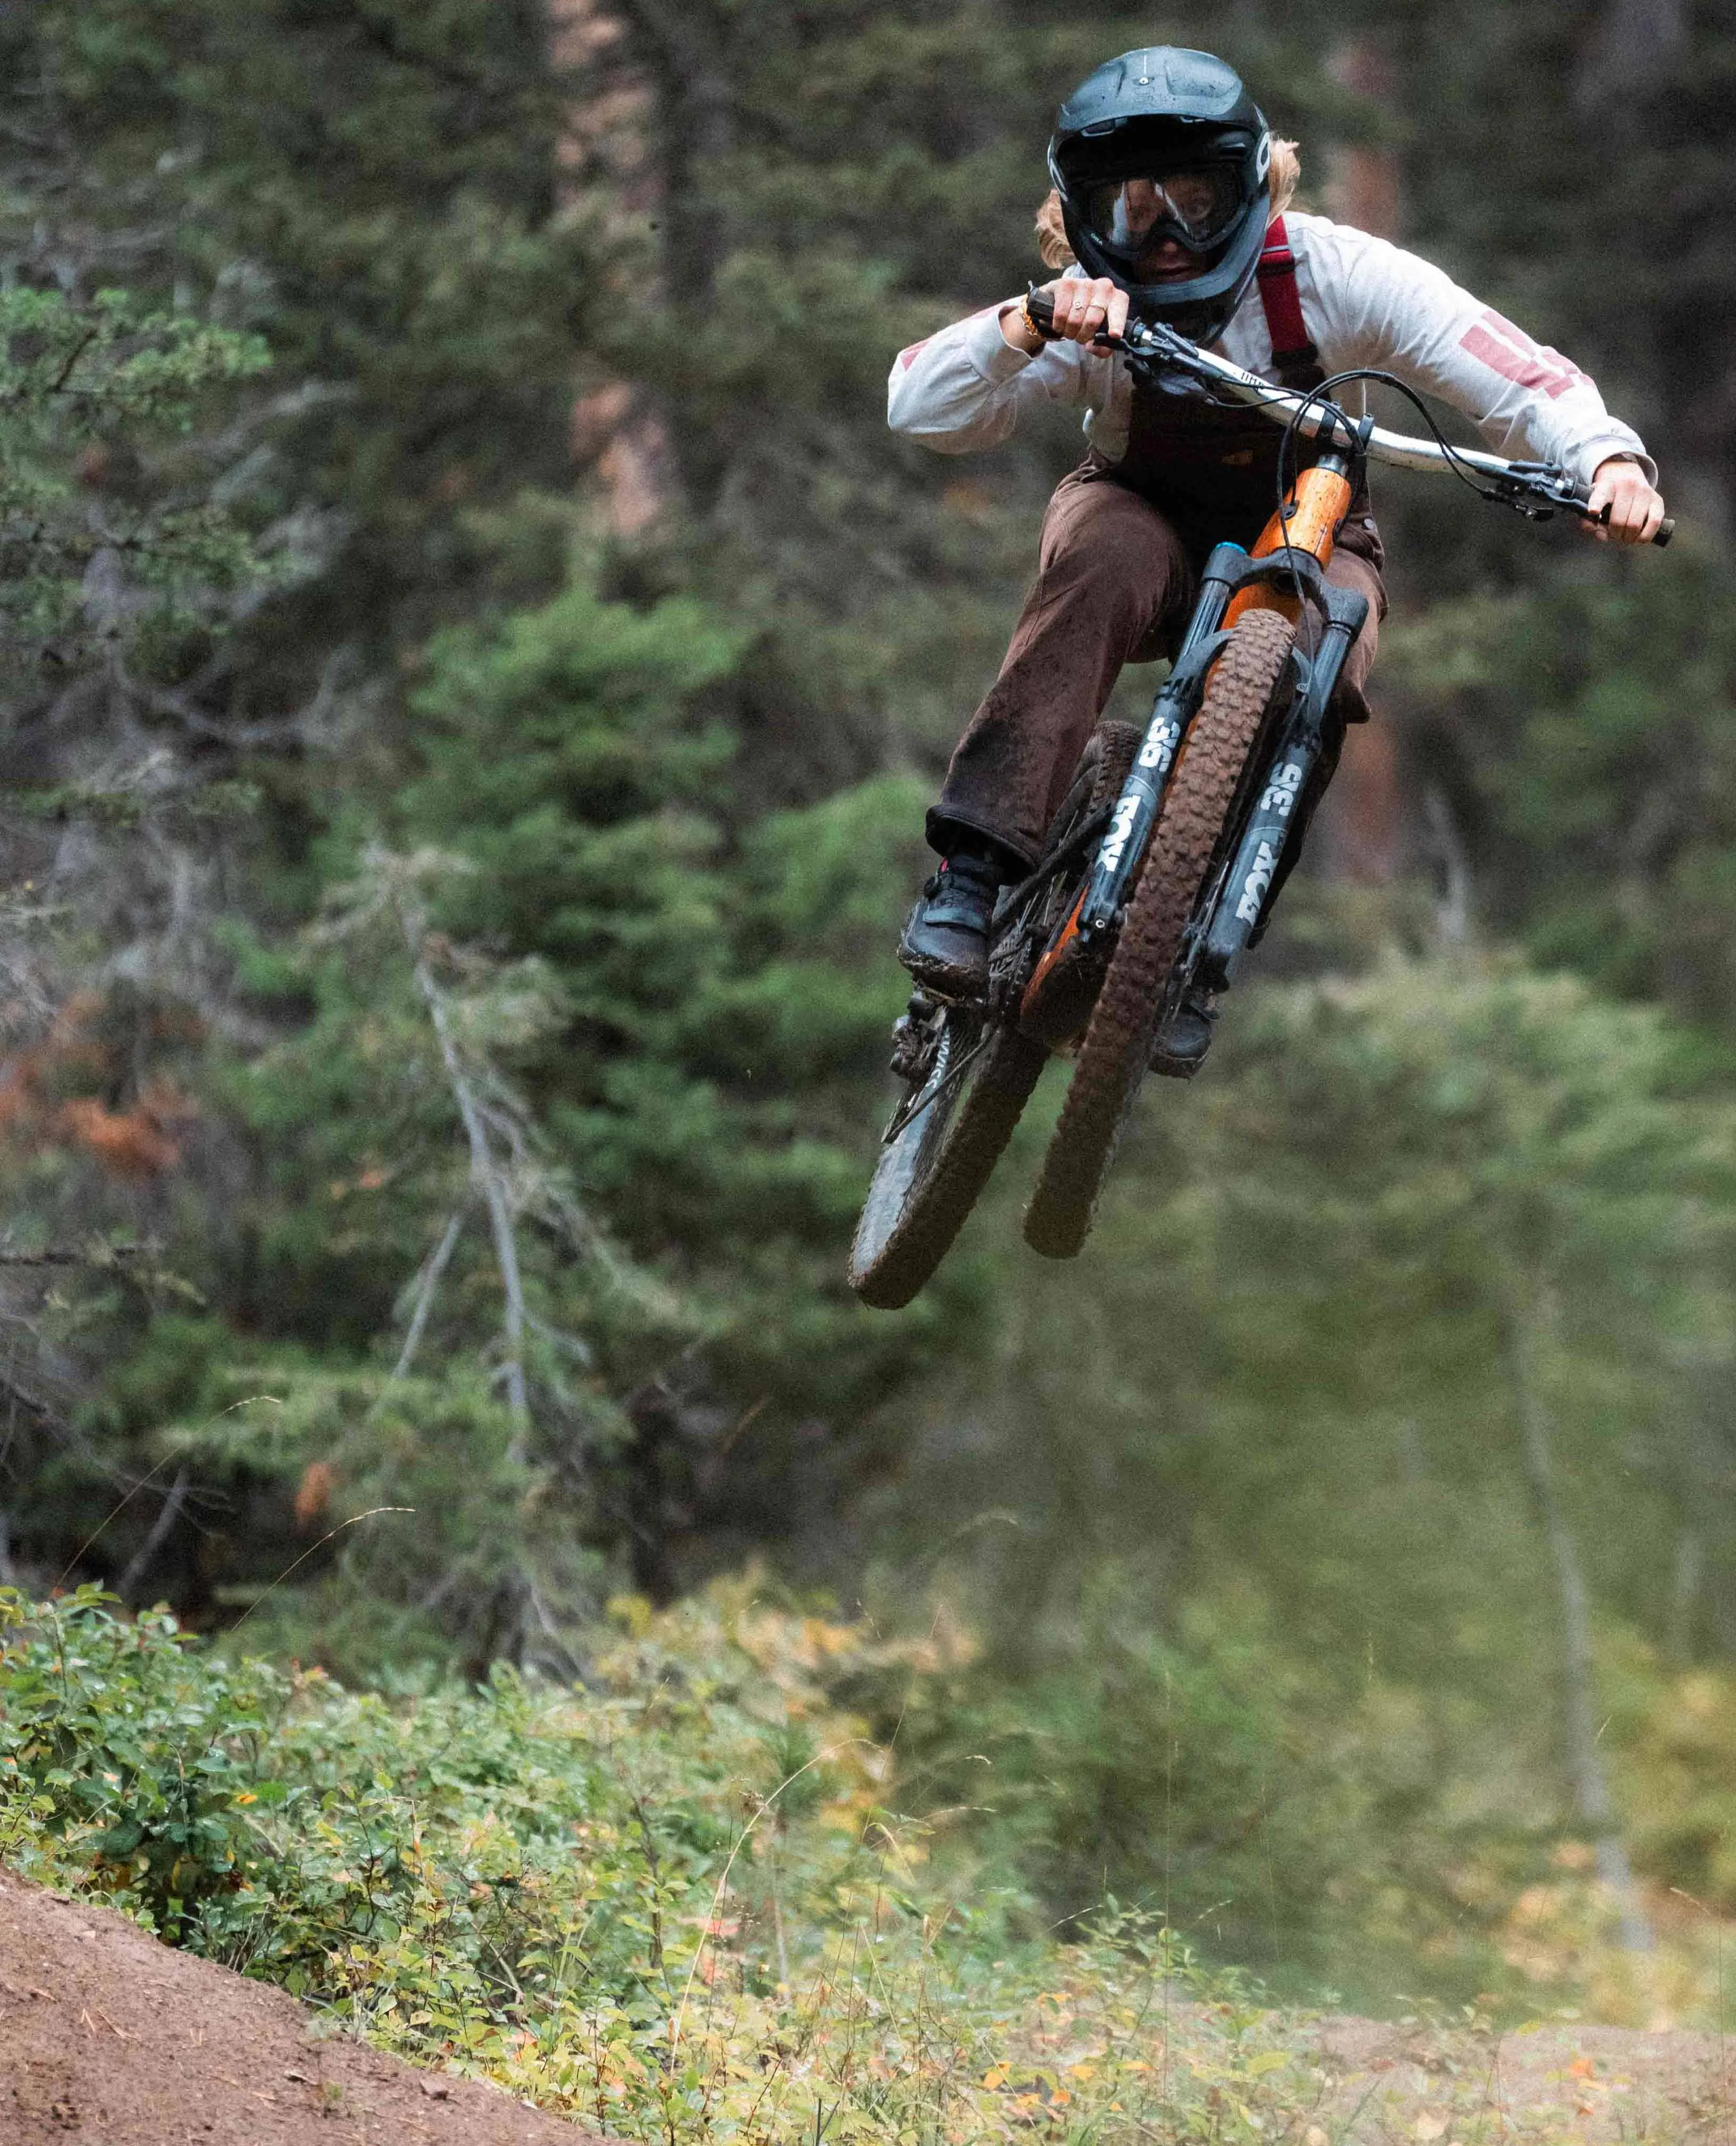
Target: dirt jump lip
(108, 2036)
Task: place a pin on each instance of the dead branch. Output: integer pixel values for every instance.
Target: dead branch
(427, 1286)
(490, 1180)
(139, 1564)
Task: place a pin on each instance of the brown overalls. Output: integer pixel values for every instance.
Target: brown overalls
(1118, 577)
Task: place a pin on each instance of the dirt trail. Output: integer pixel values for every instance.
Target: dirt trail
(109, 2038)
(1427, 2088)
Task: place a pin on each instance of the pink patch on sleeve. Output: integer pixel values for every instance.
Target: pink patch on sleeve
(1507, 350)
(908, 358)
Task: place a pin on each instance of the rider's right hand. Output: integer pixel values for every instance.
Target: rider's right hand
(1083, 311)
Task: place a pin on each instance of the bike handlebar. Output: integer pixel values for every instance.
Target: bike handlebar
(1537, 490)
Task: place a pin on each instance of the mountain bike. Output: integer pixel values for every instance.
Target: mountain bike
(1160, 862)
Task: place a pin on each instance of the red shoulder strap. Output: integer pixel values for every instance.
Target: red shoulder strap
(1295, 357)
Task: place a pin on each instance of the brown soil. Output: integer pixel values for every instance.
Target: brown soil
(110, 2039)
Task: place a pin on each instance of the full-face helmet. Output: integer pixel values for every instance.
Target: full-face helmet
(1165, 144)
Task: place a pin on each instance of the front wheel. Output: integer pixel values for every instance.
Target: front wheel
(939, 1151)
(1181, 873)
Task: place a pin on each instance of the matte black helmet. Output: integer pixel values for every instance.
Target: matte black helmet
(1165, 144)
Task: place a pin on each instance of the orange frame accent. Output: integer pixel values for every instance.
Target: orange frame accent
(1318, 502)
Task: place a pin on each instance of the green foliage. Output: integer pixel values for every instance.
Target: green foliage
(113, 1737)
(1271, 1632)
(82, 386)
(372, 189)
(675, 1900)
(1592, 721)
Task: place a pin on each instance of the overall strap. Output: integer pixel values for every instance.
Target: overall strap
(1294, 358)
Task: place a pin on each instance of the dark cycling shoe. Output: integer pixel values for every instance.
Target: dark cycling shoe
(945, 940)
(1182, 1044)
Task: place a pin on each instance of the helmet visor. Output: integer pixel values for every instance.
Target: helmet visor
(1195, 205)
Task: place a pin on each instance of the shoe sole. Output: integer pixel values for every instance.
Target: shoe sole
(946, 980)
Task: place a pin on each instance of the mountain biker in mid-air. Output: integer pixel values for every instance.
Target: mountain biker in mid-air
(1168, 205)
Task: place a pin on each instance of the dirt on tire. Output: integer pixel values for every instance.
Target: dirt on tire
(974, 1141)
(1111, 1060)
(110, 2038)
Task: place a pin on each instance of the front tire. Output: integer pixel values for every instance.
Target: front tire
(1179, 869)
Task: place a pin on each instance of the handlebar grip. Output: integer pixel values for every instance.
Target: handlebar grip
(1666, 528)
(1039, 310)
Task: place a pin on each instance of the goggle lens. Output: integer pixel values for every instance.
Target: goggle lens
(1197, 202)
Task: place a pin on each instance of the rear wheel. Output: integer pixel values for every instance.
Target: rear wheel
(939, 1151)
(1058, 1001)
(974, 1080)
(1180, 872)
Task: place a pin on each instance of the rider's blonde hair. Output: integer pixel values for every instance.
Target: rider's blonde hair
(1052, 235)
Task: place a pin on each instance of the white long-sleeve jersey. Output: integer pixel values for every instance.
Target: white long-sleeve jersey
(1364, 302)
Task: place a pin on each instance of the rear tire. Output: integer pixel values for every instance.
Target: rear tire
(1186, 846)
(1054, 1011)
(932, 1172)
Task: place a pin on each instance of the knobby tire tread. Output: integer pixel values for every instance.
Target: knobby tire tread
(1117, 745)
(1111, 1061)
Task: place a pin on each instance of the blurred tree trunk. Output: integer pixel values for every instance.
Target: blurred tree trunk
(666, 116)
(611, 168)
(1643, 87)
(1531, 1338)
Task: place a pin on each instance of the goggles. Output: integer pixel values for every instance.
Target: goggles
(1195, 204)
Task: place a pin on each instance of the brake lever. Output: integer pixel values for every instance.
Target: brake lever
(1541, 498)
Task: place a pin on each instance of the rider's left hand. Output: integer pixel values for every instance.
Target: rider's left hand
(1636, 509)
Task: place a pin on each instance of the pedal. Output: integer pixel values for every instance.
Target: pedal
(1172, 1068)
(1179, 1049)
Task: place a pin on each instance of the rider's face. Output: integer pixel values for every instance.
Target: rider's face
(1168, 261)
(1142, 204)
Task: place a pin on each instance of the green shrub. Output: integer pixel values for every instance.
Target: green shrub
(677, 1899)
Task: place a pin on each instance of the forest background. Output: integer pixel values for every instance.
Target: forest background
(474, 663)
